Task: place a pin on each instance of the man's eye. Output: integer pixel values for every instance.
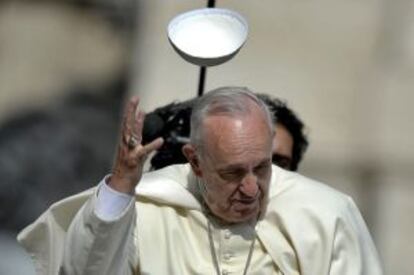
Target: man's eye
(262, 168)
(231, 175)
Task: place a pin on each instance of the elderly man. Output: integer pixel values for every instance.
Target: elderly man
(229, 211)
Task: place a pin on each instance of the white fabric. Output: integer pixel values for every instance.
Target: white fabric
(308, 228)
(110, 203)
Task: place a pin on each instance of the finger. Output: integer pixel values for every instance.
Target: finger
(128, 119)
(138, 125)
(131, 110)
(152, 146)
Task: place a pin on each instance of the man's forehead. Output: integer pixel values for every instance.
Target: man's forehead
(212, 122)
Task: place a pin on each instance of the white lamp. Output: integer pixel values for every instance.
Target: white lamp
(209, 36)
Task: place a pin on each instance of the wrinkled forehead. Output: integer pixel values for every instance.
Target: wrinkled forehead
(236, 107)
(231, 109)
(240, 137)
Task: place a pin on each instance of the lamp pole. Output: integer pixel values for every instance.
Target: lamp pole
(203, 69)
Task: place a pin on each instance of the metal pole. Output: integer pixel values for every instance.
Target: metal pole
(201, 80)
(211, 3)
(203, 69)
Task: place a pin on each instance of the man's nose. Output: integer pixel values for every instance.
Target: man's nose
(249, 186)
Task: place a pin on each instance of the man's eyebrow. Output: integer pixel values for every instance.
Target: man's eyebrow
(230, 168)
(235, 167)
(264, 161)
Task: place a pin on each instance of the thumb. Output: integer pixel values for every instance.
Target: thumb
(152, 146)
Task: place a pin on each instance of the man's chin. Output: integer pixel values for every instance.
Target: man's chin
(245, 214)
(240, 213)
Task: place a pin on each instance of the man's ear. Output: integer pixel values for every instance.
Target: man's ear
(190, 153)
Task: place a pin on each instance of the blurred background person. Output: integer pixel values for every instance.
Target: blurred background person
(290, 140)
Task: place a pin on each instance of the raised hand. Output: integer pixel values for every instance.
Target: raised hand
(131, 154)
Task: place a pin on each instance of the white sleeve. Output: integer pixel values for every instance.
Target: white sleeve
(94, 246)
(110, 204)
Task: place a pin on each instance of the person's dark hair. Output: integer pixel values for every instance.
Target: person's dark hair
(172, 122)
(282, 114)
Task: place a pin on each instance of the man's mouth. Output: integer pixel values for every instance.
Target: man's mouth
(249, 201)
(242, 205)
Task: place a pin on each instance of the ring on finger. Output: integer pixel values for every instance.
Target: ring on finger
(132, 143)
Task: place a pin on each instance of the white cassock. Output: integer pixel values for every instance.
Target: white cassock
(307, 228)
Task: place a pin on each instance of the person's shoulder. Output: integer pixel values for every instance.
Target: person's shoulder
(315, 223)
(170, 186)
(178, 173)
(301, 194)
(297, 202)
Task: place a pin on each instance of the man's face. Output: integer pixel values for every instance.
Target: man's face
(282, 147)
(236, 166)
